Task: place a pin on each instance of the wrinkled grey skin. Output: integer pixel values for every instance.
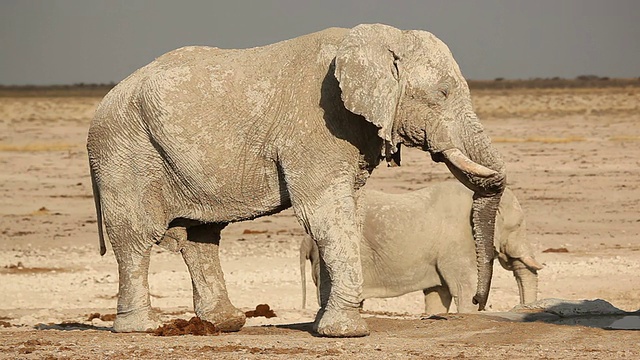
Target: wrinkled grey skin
(422, 240)
(202, 137)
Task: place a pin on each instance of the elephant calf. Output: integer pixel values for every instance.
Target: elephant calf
(423, 240)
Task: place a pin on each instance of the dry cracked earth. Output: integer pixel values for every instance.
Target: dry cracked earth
(573, 160)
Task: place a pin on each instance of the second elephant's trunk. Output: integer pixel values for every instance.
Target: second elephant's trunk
(527, 280)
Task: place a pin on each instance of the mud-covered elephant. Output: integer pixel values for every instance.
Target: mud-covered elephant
(423, 240)
(203, 136)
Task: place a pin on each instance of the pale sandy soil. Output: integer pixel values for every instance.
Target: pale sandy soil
(573, 160)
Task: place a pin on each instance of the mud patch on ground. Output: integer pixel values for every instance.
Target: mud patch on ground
(261, 310)
(195, 326)
(20, 269)
(269, 350)
(556, 250)
(33, 345)
(104, 317)
(254, 232)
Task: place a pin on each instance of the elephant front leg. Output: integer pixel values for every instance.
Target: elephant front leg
(134, 306)
(210, 299)
(333, 226)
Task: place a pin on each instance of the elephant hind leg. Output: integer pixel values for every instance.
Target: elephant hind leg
(210, 299)
(133, 254)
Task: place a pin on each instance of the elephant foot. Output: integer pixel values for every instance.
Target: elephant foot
(340, 323)
(226, 318)
(136, 321)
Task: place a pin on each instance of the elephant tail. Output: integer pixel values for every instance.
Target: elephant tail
(96, 199)
(303, 275)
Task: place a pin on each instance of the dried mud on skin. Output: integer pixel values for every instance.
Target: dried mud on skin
(195, 326)
(261, 310)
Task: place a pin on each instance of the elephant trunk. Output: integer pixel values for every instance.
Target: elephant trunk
(527, 279)
(479, 166)
(483, 218)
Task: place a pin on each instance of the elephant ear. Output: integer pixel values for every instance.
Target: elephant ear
(513, 230)
(366, 66)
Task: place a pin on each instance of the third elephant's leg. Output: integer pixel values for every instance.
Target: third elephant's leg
(210, 299)
(437, 300)
(331, 221)
(461, 288)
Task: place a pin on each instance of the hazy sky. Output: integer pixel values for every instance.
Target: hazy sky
(98, 41)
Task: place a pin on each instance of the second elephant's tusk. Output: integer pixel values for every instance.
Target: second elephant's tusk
(532, 263)
(462, 162)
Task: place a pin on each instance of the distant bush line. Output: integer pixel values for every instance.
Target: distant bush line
(81, 89)
(99, 90)
(582, 81)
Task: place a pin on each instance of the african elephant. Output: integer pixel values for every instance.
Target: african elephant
(422, 240)
(202, 137)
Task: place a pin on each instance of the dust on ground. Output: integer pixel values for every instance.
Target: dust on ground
(573, 160)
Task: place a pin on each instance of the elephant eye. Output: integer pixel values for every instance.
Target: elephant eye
(438, 96)
(443, 91)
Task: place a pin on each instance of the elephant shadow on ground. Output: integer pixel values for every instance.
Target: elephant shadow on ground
(596, 313)
(71, 325)
(304, 327)
(276, 329)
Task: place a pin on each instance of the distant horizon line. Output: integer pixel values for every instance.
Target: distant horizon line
(499, 82)
(581, 78)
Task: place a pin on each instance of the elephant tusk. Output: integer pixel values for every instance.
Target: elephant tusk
(462, 162)
(531, 263)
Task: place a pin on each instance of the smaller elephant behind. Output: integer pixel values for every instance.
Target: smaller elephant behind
(423, 240)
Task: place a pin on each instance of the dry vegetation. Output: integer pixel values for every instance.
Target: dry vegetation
(583, 81)
(90, 90)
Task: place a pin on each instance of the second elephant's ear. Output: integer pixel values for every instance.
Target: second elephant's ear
(366, 67)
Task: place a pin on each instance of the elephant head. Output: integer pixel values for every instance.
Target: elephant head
(514, 251)
(408, 84)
